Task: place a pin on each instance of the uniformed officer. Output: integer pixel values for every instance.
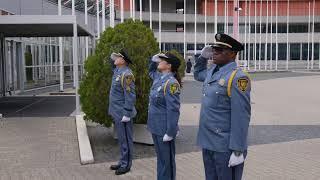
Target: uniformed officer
(225, 111)
(121, 107)
(164, 111)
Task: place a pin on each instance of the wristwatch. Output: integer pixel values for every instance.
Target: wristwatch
(237, 153)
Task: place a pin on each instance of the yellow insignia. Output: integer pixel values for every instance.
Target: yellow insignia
(129, 80)
(174, 88)
(243, 84)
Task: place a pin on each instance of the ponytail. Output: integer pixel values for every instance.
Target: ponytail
(177, 76)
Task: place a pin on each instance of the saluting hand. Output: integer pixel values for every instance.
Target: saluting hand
(207, 52)
(156, 58)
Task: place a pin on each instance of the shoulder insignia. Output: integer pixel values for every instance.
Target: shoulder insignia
(174, 88)
(128, 80)
(242, 84)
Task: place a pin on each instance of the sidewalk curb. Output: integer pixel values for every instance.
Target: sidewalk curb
(86, 156)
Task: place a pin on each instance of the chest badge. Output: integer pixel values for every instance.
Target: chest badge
(118, 78)
(222, 82)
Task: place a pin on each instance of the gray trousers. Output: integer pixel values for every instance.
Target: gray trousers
(125, 141)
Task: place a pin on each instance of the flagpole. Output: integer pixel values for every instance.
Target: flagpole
(121, 11)
(215, 16)
(225, 16)
(195, 26)
(140, 8)
(260, 45)
(160, 25)
(131, 10)
(249, 40)
(266, 43)
(271, 26)
(312, 55)
(245, 30)
(227, 11)
(309, 36)
(98, 21)
(277, 43)
(104, 14)
(255, 35)
(205, 22)
(288, 13)
(150, 13)
(184, 30)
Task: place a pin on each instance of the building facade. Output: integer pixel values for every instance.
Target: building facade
(278, 34)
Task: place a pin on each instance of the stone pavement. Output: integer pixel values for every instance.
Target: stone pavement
(46, 148)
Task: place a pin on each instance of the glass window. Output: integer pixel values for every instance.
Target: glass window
(295, 51)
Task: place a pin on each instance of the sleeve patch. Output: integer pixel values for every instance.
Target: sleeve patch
(128, 80)
(243, 84)
(174, 88)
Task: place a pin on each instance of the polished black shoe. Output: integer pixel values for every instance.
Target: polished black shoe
(122, 171)
(114, 167)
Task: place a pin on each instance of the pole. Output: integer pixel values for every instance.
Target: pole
(104, 14)
(195, 26)
(288, 13)
(140, 8)
(277, 43)
(150, 14)
(160, 25)
(121, 11)
(215, 16)
(266, 43)
(184, 30)
(205, 22)
(61, 69)
(98, 21)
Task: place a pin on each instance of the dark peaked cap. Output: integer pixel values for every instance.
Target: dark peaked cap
(226, 41)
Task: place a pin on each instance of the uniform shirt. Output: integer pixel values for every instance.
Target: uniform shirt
(224, 120)
(122, 95)
(164, 103)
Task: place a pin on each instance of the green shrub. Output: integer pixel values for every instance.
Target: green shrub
(141, 44)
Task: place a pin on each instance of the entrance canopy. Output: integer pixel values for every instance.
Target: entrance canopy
(41, 26)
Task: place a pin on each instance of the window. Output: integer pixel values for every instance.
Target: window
(295, 51)
(179, 28)
(179, 7)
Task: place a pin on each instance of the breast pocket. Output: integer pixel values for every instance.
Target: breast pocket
(223, 100)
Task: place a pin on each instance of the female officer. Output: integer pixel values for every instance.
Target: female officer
(164, 111)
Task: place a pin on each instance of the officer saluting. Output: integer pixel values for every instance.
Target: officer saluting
(164, 111)
(121, 107)
(225, 111)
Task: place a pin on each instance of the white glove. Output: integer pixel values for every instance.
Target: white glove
(207, 52)
(156, 58)
(235, 160)
(166, 138)
(125, 119)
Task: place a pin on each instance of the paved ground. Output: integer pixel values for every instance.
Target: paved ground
(284, 137)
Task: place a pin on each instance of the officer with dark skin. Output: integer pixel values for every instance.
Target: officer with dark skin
(225, 109)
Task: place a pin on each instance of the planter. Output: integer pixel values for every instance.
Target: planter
(140, 134)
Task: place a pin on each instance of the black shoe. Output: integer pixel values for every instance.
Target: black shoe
(122, 171)
(114, 167)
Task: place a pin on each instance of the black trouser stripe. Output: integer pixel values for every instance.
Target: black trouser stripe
(127, 141)
(170, 149)
(233, 173)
